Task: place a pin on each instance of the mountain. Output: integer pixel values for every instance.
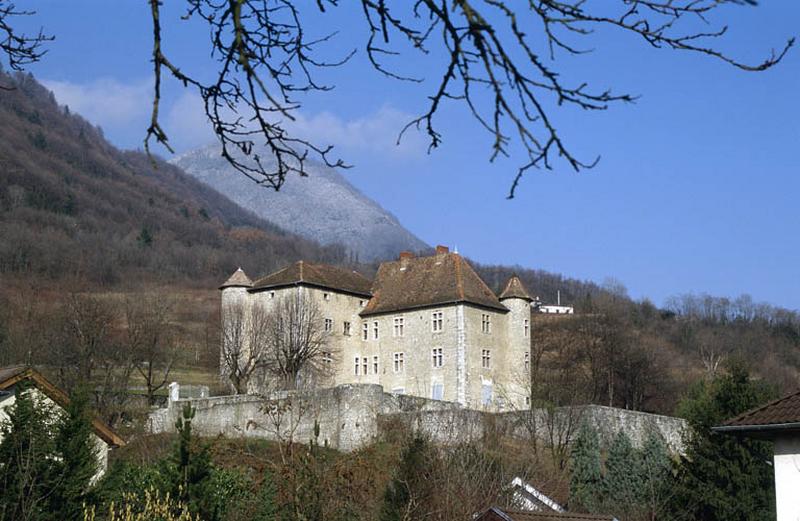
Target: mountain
(323, 207)
(74, 207)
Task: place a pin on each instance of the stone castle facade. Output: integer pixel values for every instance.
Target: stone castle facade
(425, 326)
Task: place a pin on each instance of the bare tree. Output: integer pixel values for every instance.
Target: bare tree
(20, 49)
(492, 65)
(297, 345)
(151, 339)
(85, 349)
(244, 343)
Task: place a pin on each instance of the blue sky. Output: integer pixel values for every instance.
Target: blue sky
(696, 190)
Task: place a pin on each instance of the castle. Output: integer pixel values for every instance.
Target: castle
(426, 326)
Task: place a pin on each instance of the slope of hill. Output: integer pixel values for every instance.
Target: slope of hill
(71, 205)
(323, 207)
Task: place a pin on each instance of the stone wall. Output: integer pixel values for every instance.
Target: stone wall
(350, 416)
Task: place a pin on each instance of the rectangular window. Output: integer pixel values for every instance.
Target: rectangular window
(436, 353)
(327, 357)
(271, 294)
(347, 328)
(527, 328)
(326, 296)
(437, 324)
(399, 322)
(364, 365)
(399, 362)
(328, 324)
(437, 391)
(374, 365)
(375, 330)
(486, 394)
(486, 323)
(527, 361)
(357, 368)
(486, 359)
(364, 331)
(398, 390)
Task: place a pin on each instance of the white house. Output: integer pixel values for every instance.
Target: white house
(10, 377)
(779, 422)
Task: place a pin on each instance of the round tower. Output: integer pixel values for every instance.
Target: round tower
(517, 373)
(233, 299)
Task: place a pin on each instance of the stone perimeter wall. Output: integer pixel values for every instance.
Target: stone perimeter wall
(351, 416)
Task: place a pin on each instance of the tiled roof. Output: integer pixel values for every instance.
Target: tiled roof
(321, 275)
(497, 514)
(444, 278)
(12, 375)
(515, 289)
(778, 414)
(239, 279)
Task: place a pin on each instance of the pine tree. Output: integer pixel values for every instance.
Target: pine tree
(722, 477)
(622, 483)
(77, 457)
(585, 487)
(267, 507)
(657, 482)
(28, 465)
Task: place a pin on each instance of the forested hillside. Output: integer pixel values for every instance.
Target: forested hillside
(74, 207)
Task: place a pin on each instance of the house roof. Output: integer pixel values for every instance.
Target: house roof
(320, 275)
(782, 414)
(11, 376)
(416, 282)
(497, 514)
(515, 289)
(239, 279)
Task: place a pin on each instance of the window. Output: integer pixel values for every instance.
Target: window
(437, 357)
(362, 303)
(486, 323)
(398, 390)
(527, 361)
(436, 321)
(399, 362)
(399, 322)
(437, 391)
(374, 365)
(526, 327)
(486, 394)
(527, 400)
(326, 296)
(357, 366)
(486, 359)
(328, 324)
(271, 294)
(364, 331)
(327, 357)
(375, 330)
(364, 365)
(347, 328)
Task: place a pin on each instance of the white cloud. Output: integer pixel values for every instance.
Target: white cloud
(105, 101)
(375, 133)
(122, 109)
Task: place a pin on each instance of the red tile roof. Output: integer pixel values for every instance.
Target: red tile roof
(515, 289)
(444, 278)
(321, 275)
(780, 414)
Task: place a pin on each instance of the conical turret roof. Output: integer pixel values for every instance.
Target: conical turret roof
(515, 289)
(239, 279)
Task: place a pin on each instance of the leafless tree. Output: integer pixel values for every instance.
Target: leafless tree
(86, 350)
(244, 343)
(20, 49)
(492, 65)
(151, 339)
(297, 351)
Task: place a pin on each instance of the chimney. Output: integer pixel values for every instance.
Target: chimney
(442, 249)
(406, 255)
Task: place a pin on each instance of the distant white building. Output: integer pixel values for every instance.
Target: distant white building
(556, 310)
